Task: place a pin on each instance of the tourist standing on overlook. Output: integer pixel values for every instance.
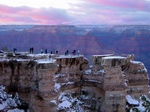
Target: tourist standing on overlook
(31, 50)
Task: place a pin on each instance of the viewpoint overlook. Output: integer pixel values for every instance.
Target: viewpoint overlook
(89, 39)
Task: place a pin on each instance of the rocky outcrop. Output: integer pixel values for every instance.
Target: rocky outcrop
(67, 82)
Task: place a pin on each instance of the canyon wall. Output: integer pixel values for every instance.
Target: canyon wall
(67, 82)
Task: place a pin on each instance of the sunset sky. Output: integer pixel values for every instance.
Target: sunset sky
(87, 12)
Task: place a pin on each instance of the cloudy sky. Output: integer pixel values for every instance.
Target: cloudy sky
(56, 12)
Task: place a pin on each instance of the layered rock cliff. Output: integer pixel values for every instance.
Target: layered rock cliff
(52, 83)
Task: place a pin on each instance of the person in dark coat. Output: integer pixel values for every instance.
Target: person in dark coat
(45, 51)
(74, 52)
(14, 50)
(32, 50)
(56, 51)
(67, 52)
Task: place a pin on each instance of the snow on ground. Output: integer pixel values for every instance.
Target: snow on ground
(57, 87)
(42, 61)
(69, 103)
(88, 71)
(143, 105)
(137, 62)
(64, 104)
(23, 59)
(43, 58)
(54, 102)
(140, 107)
(15, 110)
(103, 55)
(59, 75)
(65, 101)
(102, 71)
(7, 101)
(37, 55)
(69, 83)
(131, 101)
(3, 105)
(114, 57)
(4, 59)
(70, 56)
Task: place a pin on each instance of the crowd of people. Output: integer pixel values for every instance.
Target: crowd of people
(45, 51)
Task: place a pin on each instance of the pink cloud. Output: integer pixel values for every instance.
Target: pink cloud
(87, 12)
(28, 15)
(136, 4)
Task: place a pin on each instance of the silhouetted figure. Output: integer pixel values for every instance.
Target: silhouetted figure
(45, 51)
(31, 50)
(57, 52)
(51, 52)
(41, 51)
(74, 52)
(67, 52)
(14, 50)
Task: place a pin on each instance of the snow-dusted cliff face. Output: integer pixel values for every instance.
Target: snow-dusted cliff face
(10, 103)
(66, 83)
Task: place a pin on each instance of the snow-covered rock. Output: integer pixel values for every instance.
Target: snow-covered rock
(9, 103)
(57, 86)
(131, 101)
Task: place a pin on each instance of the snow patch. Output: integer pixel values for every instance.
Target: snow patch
(137, 62)
(45, 61)
(3, 105)
(23, 60)
(114, 57)
(59, 75)
(64, 104)
(131, 101)
(8, 102)
(140, 107)
(101, 71)
(57, 87)
(54, 102)
(68, 103)
(15, 110)
(69, 56)
(65, 101)
(88, 71)
(70, 83)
